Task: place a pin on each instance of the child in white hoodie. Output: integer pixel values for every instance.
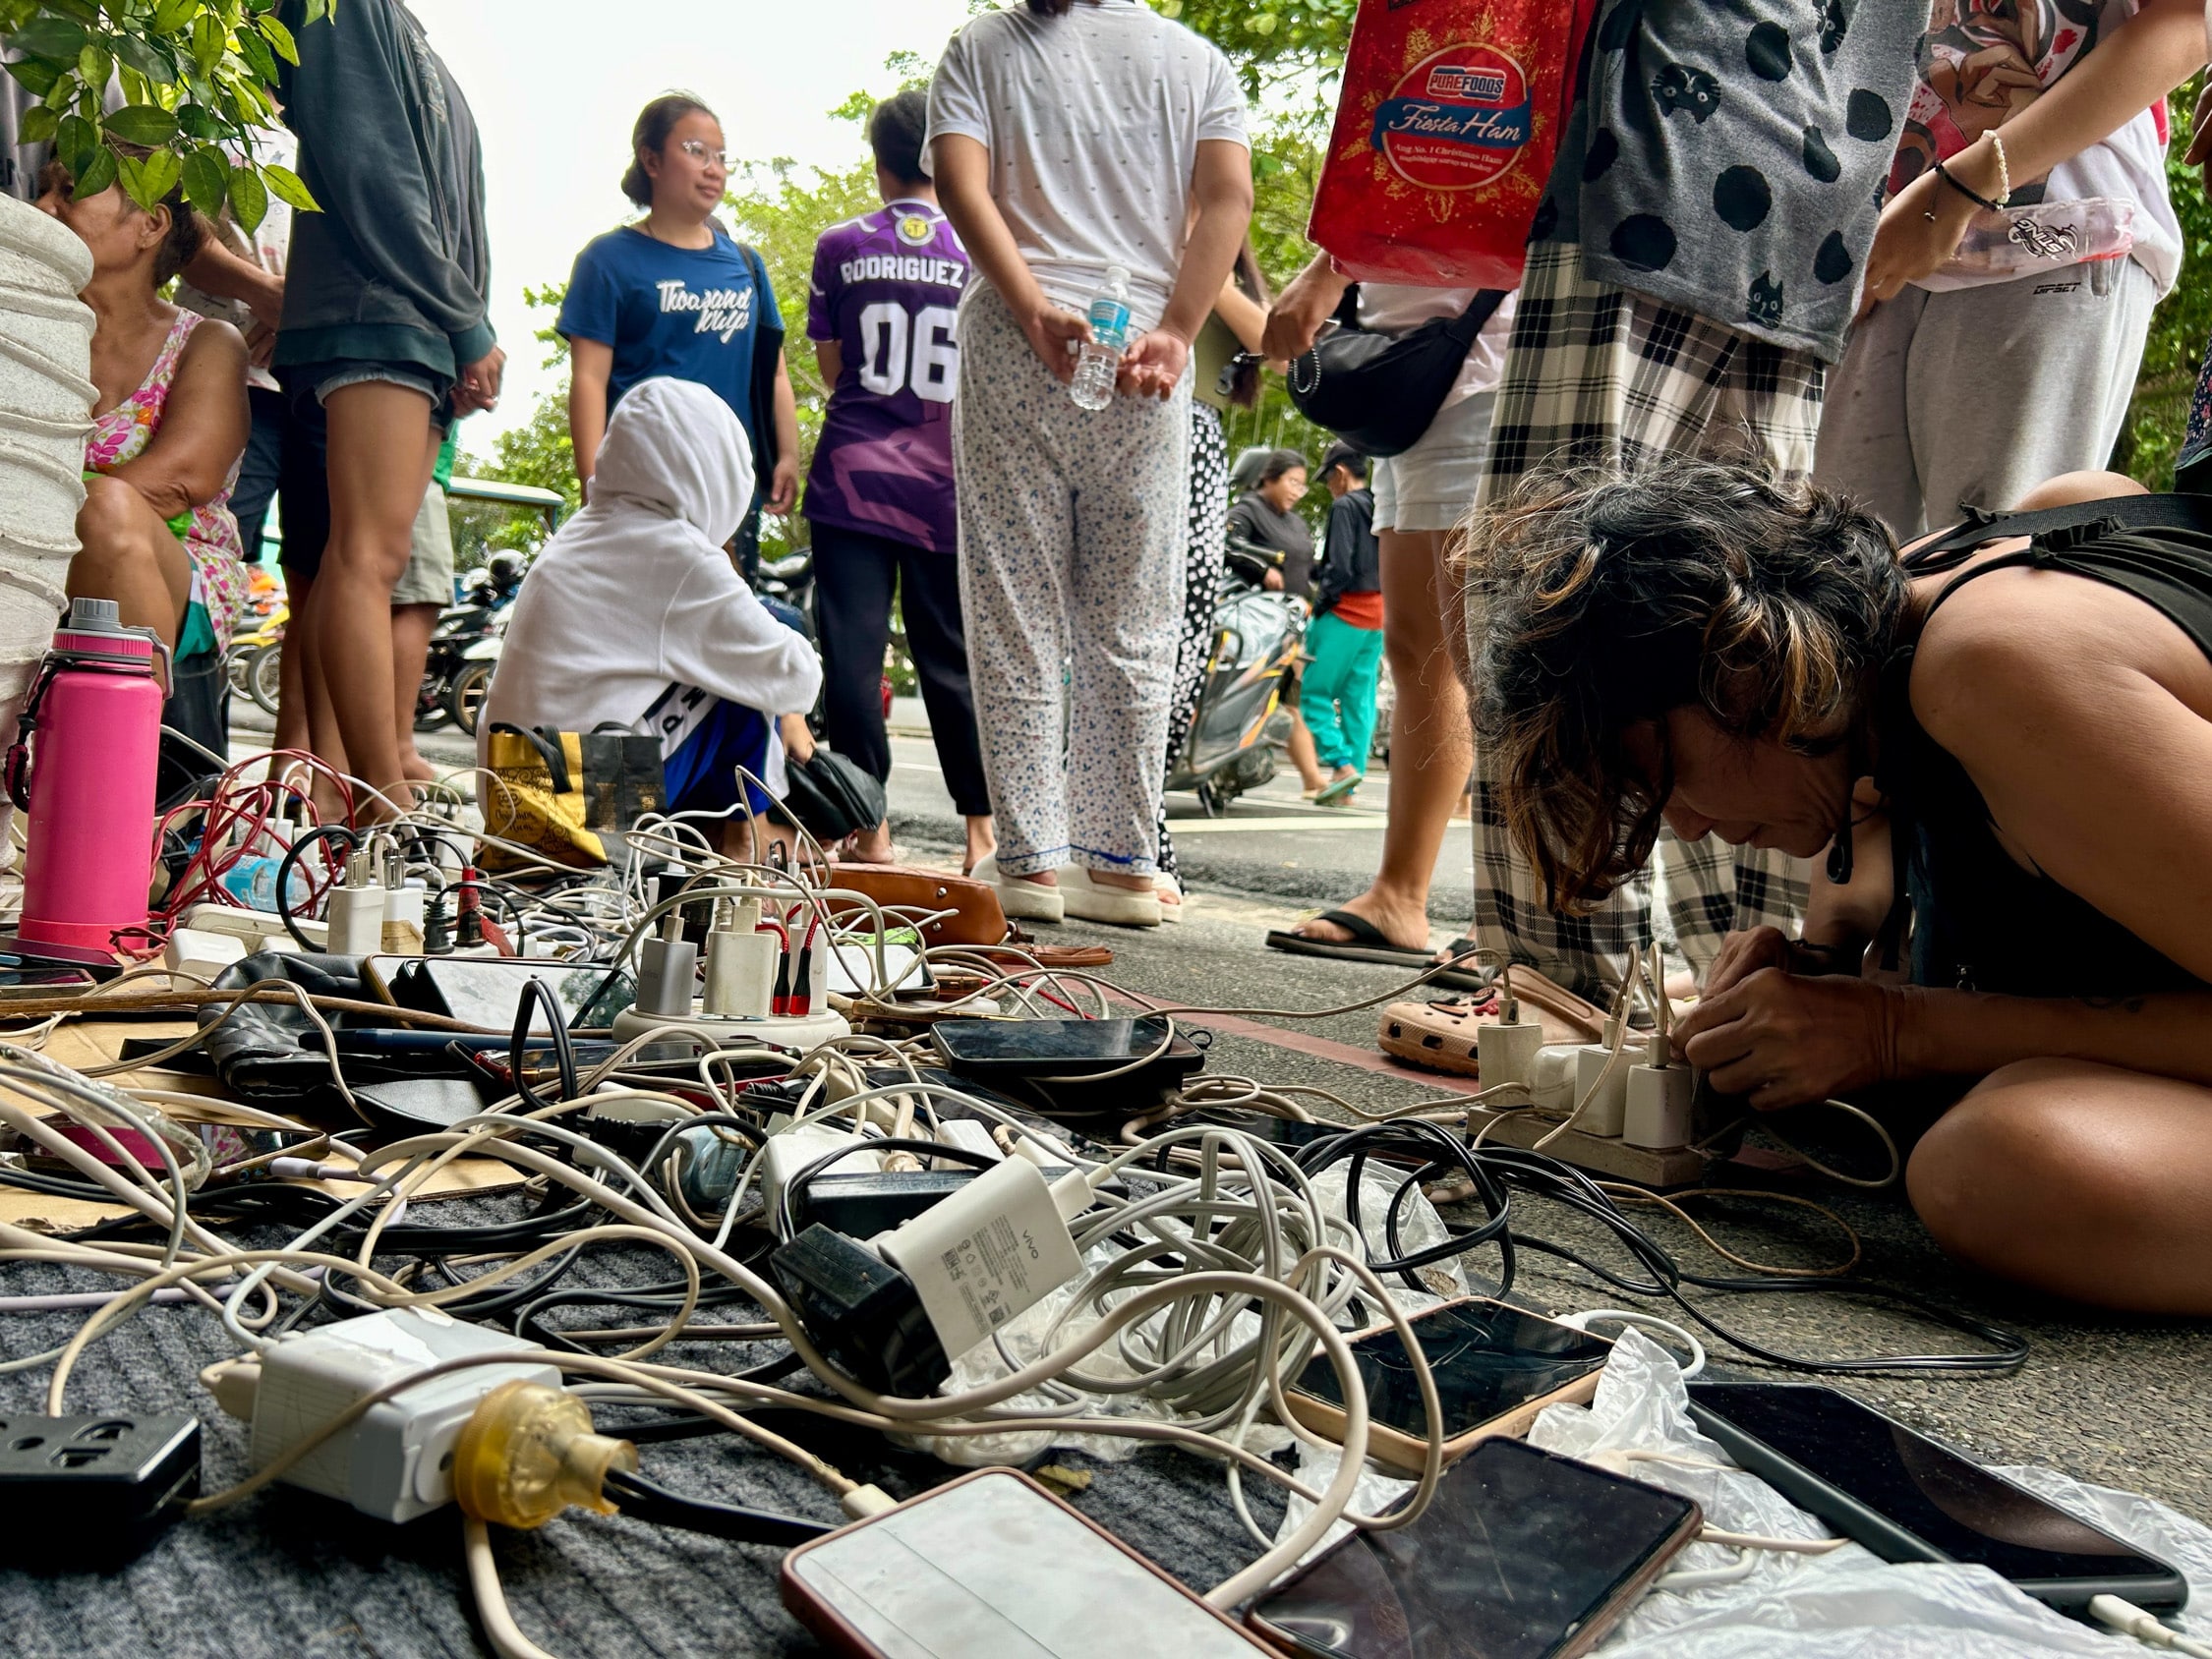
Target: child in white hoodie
(634, 615)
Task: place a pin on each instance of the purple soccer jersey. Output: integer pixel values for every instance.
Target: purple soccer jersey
(885, 288)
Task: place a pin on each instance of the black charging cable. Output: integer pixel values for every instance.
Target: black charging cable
(309, 839)
(536, 996)
(646, 1500)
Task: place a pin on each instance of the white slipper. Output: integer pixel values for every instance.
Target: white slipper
(1165, 884)
(1092, 901)
(1023, 901)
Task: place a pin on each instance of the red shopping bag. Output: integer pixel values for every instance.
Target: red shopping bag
(1445, 134)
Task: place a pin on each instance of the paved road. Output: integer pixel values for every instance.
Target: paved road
(2108, 1398)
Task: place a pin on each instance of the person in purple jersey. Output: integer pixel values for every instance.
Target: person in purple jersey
(879, 494)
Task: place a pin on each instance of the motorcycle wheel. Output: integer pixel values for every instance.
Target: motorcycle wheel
(264, 675)
(1211, 800)
(466, 699)
(237, 668)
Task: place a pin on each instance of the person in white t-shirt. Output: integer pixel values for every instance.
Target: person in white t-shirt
(1067, 140)
(2027, 238)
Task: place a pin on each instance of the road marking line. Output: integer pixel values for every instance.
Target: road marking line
(1332, 822)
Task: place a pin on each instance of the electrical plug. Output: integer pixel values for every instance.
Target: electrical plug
(528, 1452)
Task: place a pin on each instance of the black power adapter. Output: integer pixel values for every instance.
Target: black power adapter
(99, 1485)
(863, 1313)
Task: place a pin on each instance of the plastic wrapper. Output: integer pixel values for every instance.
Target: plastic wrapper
(1846, 1604)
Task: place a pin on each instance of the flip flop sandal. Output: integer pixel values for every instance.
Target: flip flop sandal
(1329, 794)
(1368, 944)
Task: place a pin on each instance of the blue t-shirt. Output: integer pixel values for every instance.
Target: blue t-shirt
(691, 314)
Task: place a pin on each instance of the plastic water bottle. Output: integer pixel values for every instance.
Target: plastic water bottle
(252, 880)
(1100, 360)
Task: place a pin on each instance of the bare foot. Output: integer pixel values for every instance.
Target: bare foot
(1404, 925)
(872, 847)
(981, 843)
(1117, 878)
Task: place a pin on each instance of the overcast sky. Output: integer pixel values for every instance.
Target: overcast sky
(555, 83)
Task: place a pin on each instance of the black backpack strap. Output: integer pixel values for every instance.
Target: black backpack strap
(2118, 513)
(549, 751)
(1480, 310)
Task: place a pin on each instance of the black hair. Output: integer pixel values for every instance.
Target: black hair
(1609, 600)
(1345, 456)
(895, 131)
(649, 137)
(1243, 368)
(1279, 462)
(1050, 8)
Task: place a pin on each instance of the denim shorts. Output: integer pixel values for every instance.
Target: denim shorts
(303, 482)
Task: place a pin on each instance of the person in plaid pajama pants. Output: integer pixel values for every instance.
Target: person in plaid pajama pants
(1595, 373)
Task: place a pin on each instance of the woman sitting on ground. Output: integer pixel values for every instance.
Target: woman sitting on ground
(633, 614)
(2029, 726)
(168, 429)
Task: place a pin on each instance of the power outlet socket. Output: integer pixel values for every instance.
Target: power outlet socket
(97, 1484)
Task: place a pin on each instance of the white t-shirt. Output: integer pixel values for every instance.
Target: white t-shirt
(268, 248)
(1093, 121)
(1395, 308)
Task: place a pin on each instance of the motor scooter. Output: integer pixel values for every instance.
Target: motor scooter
(1240, 727)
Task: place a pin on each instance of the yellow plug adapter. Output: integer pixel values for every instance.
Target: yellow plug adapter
(528, 1452)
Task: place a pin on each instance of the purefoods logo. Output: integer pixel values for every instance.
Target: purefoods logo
(1454, 81)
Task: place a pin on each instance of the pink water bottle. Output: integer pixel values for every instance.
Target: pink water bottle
(92, 725)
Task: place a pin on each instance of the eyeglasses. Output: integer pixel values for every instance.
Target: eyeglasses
(697, 149)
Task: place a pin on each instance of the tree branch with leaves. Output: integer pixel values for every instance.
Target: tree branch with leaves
(195, 79)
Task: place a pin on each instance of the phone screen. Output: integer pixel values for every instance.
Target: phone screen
(1519, 1551)
(22, 980)
(1957, 1506)
(1039, 1042)
(992, 1566)
(1487, 1358)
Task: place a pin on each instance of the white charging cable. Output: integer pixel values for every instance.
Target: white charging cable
(1643, 1321)
(2132, 1621)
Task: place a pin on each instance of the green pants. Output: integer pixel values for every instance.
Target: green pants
(1336, 688)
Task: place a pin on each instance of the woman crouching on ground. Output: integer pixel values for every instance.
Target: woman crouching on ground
(2007, 744)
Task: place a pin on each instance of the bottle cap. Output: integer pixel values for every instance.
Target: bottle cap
(1117, 277)
(94, 616)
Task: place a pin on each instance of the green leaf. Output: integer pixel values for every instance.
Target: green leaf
(207, 43)
(36, 73)
(249, 200)
(288, 188)
(171, 16)
(280, 37)
(92, 65)
(206, 179)
(254, 50)
(38, 125)
(49, 37)
(74, 140)
(143, 124)
(98, 173)
(318, 9)
(160, 171)
(198, 121)
(130, 175)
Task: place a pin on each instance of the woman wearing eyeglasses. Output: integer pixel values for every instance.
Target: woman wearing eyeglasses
(673, 295)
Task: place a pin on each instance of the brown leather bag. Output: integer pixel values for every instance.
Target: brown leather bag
(976, 919)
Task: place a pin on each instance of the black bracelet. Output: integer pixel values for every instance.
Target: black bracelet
(1974, 196)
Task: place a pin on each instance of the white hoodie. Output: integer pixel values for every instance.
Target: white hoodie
(634, 594)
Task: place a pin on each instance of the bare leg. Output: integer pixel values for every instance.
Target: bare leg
(130, 555)
(381, 449)
(1432, 743)
(293, 728)
(2081, 1180)
(1302, 754)
(411, 626)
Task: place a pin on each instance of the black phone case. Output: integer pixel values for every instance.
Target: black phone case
(1892, 1542)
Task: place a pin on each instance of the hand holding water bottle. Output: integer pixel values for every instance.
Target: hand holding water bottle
(1054, 335)
(1098, 365)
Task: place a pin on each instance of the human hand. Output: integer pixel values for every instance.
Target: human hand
(1919, 230)
(1782, 1038)
(479, 384)
(261, 344)
(1743, 955)
(798, 735)
(782, 485)
(266, 299)
(1152, 366)
(1299, 310)
(1272, 581)
(1054, 334)
(2199, 153)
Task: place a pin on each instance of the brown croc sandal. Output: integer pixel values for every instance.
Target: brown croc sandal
(1441, 1036)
